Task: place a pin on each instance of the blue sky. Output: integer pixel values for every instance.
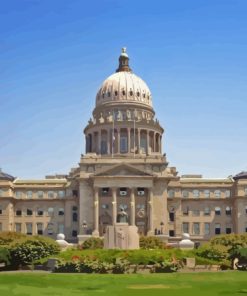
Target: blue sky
(55, 54)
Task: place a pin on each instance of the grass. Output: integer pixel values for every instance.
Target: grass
(177, 284)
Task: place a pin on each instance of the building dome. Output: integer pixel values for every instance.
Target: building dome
(124, 86)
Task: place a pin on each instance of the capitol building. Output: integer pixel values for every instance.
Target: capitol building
(124, 167)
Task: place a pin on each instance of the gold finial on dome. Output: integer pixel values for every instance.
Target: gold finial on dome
(124, 62)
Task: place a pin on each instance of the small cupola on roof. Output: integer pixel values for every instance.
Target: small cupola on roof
(123, 62)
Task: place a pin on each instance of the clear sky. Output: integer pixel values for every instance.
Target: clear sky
(55, 54)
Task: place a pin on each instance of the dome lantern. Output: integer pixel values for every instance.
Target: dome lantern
(123, 62)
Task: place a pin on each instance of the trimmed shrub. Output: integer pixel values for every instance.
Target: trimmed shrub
(93, 243)
(151, 242)
(4, 256)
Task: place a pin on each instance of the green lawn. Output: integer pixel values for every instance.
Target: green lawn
(177, 284)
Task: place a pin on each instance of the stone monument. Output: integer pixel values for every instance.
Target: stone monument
(121, 235)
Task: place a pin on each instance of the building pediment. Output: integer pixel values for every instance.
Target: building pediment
(123, 170)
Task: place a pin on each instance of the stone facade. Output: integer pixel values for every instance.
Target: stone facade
(124, 167)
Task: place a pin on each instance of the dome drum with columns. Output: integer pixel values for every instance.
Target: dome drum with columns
(123, 119)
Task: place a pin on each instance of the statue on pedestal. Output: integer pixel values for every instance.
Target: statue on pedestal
(122, 216)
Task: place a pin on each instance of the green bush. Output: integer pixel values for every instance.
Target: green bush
(92, 243)
(151, 242)
(232, 241)
(26, 250)
(241, 254)
(4, 255)
(8, 237)
(213, 252)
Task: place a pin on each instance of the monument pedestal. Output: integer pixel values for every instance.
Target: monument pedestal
(121, 236)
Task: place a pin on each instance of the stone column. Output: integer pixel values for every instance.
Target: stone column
(118, 140)
(99, 142)
(114, 206)
(128, 140)
(132, 204)
(96, 212)
(147, 142)
(108, 141)
(139, 140)
(154, 141)
(150, 206)
(159, 143)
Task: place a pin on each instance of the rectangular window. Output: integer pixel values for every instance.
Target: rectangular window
(74, 233)
(51, 194)
(17, 227)
(61, 194)
(18, 194)
(1, 210)
(140, 191)
(217, 228)
(206, 228)
(29, 212)
(105, 191)
(1, 226)
(196, 228)
(196, 193)
(29, 228)
(18, 212)
(227, 193)
(61, 212)
(75, 193)
(207, 211)
(186, 211)
(50, 228)
(60, 228)
(50, 212)
(40, 212)
(228, 230)
(171, 193)
(217, 211)
(40, 194)
(217, 194)
(123, 191)
(185, 193)
(40, 228)
(29, 194)
(172, 216)
(206, 193)
(123, 145)
(171, 233)
(185, 227)
(196, 212)
(245, 191)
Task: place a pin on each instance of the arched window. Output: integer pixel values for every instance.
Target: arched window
(217, 211)
(228, 211)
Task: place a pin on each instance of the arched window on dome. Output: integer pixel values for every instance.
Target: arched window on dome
(103, 95)
(109, 94)
(131, 93)
(138, 94)
(123, 92)
(115, 92)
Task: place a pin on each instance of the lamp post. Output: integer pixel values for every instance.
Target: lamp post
(84, 226)
(161, 227)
